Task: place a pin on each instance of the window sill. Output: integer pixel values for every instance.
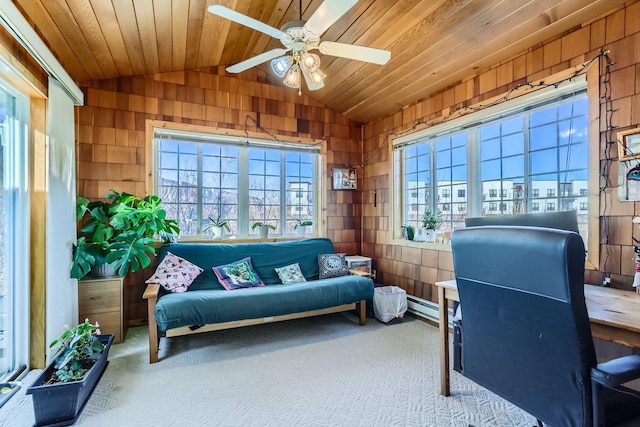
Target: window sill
(445, 247)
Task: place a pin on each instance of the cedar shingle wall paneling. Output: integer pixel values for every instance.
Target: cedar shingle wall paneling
(618, 32)
(111, 139)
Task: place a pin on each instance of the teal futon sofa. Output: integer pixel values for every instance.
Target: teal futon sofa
(207, 305)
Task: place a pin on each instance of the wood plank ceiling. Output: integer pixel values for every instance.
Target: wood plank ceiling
(433, 43)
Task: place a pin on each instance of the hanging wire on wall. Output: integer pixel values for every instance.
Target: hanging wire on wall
(464, 110)
(248, 117)
(610, 142)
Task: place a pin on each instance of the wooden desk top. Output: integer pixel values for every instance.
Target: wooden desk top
(606, 306)
(613, 307)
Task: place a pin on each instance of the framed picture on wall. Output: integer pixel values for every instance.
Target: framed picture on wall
(629, 144)
(345, 179)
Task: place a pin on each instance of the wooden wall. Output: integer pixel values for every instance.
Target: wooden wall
(416, 269)
(111, 137)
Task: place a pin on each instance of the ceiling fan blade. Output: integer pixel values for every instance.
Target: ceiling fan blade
(256, 60)
(361, 53)
(328, 13)
(245, 20)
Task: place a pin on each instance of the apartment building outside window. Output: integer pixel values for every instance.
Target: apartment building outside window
(533, 150)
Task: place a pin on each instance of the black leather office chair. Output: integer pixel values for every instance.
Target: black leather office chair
(526, 332)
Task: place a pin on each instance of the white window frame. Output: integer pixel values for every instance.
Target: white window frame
(16, 175)
(158, 130)
(554, 87)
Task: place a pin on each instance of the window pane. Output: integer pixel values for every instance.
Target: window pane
(14, 237)
(532, 161)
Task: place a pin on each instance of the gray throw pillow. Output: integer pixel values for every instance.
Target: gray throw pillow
(332, 265)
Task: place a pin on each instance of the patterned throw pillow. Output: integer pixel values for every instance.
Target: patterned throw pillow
(239, 274)
(175, 274)
(290, 274)
(332, 265)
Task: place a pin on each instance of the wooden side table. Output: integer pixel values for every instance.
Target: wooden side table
(101, 300)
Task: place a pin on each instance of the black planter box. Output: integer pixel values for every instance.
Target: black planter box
(60, 404)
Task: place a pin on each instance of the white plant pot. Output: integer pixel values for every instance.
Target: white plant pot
(429, 235)
(264, 231)
(301, 230)
(217, 232)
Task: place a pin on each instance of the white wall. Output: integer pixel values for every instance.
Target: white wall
(62, 291)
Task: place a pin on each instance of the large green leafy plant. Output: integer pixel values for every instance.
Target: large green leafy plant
(119, 231)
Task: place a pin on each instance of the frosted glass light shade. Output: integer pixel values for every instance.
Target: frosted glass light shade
(292, 79)
(310, 62)
(280, 65)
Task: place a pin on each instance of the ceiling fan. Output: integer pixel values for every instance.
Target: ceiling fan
(295, 60)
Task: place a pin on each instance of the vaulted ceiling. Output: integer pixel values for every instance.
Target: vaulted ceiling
(433, 43)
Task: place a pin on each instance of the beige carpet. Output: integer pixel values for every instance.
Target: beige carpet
(324, 371)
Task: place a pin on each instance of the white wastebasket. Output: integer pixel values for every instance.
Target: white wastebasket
(389, 302)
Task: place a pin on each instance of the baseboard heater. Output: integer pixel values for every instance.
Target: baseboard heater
(425, 308)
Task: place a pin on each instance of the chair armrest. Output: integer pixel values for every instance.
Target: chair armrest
(151, 291)
(617, 371)
(151, 295)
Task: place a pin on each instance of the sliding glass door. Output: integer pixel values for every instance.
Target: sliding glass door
(14, 237)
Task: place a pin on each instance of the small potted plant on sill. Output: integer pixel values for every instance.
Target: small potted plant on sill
(408, 232)
(119, 232)
(430, 222)
(301, 226)
(217, 225)
(263, 229)
(61, 390)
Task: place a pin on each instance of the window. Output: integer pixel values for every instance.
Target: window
(584, 206)
(462, 208)
(446, 193)
(513, 154)
(584, 192)
(203, 175)
(14, 223)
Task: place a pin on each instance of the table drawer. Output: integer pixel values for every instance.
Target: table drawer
(110, 323)
(99, 297)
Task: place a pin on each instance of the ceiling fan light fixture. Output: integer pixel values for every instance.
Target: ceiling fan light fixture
(292, 79)
(317, 77)
(310, 62)
(281, 65)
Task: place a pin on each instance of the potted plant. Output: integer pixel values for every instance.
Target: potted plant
(430, 222)
(301, 226)
(119, 231)
(217, 225)
(263, 229)
(408, 232)
(62, 389)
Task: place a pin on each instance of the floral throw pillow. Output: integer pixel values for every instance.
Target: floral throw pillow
(239, 274)
(332, 265)
(175, 274)
(290, 274)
